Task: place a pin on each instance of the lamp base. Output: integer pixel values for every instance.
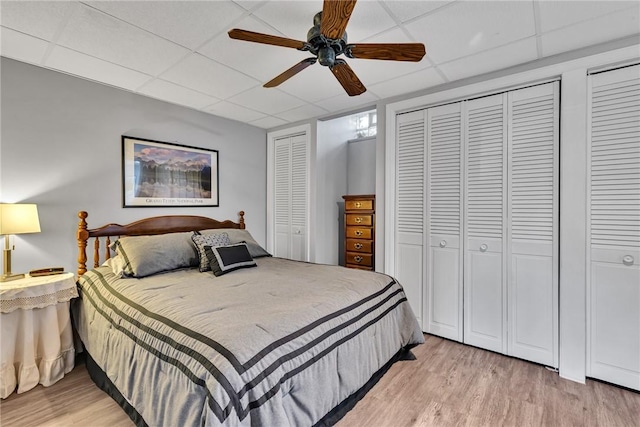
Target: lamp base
(10, 277)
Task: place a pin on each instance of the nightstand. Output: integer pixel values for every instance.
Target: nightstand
(35, 328)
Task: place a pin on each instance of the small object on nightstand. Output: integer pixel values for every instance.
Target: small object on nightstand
(46, 271)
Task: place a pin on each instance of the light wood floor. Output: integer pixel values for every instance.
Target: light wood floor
(448, 384)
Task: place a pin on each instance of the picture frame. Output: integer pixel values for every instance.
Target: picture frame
(165, 174)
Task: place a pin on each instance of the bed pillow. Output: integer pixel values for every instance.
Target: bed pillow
(224, 259)
(116, 263)
(203, 240)
(147, 255)
(237, 235)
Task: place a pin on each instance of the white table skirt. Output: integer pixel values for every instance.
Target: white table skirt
(37, 347)
(35, 328)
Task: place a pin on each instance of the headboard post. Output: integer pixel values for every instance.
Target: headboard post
(241, 222)
(83, 236)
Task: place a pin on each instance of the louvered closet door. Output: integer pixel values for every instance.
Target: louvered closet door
(614, 227)
(299, 177)
(485, 186)
(282, 202)
(410, 200)
(533, 210)
(443, 302)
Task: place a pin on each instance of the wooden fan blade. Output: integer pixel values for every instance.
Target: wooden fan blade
(290, 72)
(335, 17)
(347, 78)
(250, 36)
(413, 52)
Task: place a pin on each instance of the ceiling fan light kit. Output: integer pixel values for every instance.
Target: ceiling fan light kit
(327, 40)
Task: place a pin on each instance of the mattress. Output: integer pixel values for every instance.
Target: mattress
(282, 344)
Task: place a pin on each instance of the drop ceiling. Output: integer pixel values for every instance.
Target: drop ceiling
(179, 51)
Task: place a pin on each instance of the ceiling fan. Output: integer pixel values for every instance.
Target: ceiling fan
(327, 40)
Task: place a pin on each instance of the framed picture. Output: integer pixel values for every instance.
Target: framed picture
(162, 174)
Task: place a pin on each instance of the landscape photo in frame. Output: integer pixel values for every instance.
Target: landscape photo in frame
(163, 174)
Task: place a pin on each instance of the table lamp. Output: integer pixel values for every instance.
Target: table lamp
(16, 218)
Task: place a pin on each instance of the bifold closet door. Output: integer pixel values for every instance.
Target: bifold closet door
(410, 205)
(485, 187)
(290, 196)
(533, 217)
(614, 227)
(443, 302)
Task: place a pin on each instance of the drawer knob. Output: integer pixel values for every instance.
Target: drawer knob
(484, 247)
(358, 220)
(357, 258)
(627, 260)
(358, 204)
(358, 233)
(357, 245)
(443, 243)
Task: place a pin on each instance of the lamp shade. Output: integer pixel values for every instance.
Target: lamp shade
(19, 218)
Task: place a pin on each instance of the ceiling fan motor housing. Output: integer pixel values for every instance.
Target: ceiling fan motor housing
(326, 49)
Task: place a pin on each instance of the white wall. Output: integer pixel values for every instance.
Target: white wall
(361, 166)
(60, 148)
(331, 179)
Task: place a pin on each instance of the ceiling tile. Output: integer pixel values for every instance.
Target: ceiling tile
(263, 62)
(608, 27)
(103, 36)
(345, 102)
(204, 75)
(167, 18)
(21, 46)
(468, 27)
(405, 10)
(558, 14)
(233, 111)
(491, 60)
(312, 84)
(270, 100)
(268, 122)
(177, 94)
(368, 18)
(37, 18)
(291, 18)
(302, 113)
(82, 65)
(409, 83)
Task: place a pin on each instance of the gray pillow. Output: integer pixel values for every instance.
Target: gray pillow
(147, 255)
(213, 240)
(237, 235)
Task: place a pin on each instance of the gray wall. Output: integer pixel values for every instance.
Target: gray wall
(361, 166)
(60, 148)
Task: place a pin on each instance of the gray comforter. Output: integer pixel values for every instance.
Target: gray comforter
(277, 345)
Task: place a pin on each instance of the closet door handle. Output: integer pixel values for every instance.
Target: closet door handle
(627, 260)
(483, 247)
(443, 243)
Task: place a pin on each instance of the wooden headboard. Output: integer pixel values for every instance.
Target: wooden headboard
(144, 227)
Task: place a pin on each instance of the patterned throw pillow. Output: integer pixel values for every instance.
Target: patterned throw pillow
(213, 240)
(225, 259)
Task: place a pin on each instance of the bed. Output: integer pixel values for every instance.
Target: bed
(275, 343)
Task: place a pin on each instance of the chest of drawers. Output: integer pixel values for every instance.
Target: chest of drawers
(359, 223)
